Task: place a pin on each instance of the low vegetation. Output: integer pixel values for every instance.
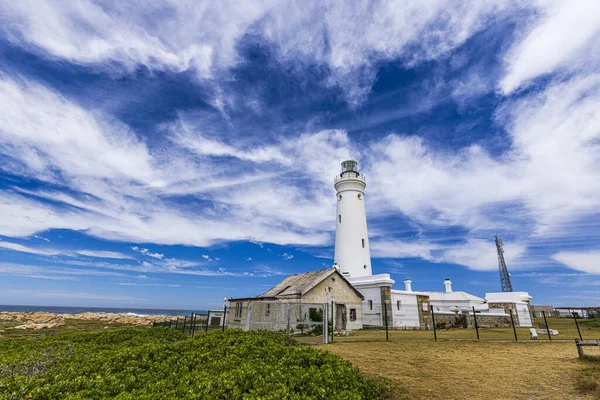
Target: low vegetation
(163, 363)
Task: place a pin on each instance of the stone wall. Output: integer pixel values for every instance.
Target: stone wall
(460, 320)
(424, 308)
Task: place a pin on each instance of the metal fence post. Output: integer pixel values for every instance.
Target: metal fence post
(332, 321)
(207, 319)
(577, 325)
(547, 327)
(387, 337)
(433, 321)
(326, 323)
(475, 320)
(512, 321)
(224, 316)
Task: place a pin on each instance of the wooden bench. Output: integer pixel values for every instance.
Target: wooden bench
(581, 343)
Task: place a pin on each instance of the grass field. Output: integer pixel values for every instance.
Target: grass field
(476, 370)
(457, 366)
(411, 364)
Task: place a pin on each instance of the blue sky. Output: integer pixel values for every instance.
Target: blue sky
(169, 155)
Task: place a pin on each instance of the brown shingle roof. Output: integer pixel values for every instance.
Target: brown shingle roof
(297, 285)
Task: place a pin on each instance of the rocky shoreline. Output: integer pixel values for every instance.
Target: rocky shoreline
(41, 320)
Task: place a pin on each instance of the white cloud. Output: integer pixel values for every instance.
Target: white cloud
(53, 252)
(564, 36)
(147, 252)
(348, 37)
(147, 284)
(74, 140)
(388, 248)
(102, 254)
(585, 261)
(26, 249)
(482, 255)
(475, 254)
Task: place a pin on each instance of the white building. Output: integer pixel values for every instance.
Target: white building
(449, 301)
(519, 302)
(405, 308)
(353, 258)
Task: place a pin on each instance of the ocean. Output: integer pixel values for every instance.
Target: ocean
(78, 310)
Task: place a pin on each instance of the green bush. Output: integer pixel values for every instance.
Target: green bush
(161, 363)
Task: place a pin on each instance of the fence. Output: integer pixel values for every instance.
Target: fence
(197, 322)
(314, 323)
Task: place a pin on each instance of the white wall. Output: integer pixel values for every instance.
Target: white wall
(408, 315)
(374, 316)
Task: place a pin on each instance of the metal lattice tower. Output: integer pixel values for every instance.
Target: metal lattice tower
(504, 275)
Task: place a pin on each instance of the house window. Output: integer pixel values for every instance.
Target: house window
(399, 305)
(353, 314)
(363, 243)
(370, 304)
(268, 310)
(238, 310)
(340, 218)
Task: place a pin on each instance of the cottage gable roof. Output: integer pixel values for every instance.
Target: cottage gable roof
(297, 285)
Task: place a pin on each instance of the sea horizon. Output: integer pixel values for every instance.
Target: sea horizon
(112, 310)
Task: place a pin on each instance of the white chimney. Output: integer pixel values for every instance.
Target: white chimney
(448, 284)
(407, 285)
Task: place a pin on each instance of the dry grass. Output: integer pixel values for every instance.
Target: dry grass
(472, 370)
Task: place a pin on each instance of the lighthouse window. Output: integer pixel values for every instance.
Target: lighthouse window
(360, 196)
(340, 218)
(340, 197)
(370, 304)
(399, 305)
(365, 266)
(363, 243)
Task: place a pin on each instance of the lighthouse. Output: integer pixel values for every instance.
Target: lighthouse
(352, 254)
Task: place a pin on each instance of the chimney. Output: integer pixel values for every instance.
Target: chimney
(448, 284)
(407, 285)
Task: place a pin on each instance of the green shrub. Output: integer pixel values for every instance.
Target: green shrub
(162, 363)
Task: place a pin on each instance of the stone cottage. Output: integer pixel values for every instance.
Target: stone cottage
(297, 303)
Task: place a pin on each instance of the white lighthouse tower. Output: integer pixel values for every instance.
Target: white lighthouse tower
(352, 254)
